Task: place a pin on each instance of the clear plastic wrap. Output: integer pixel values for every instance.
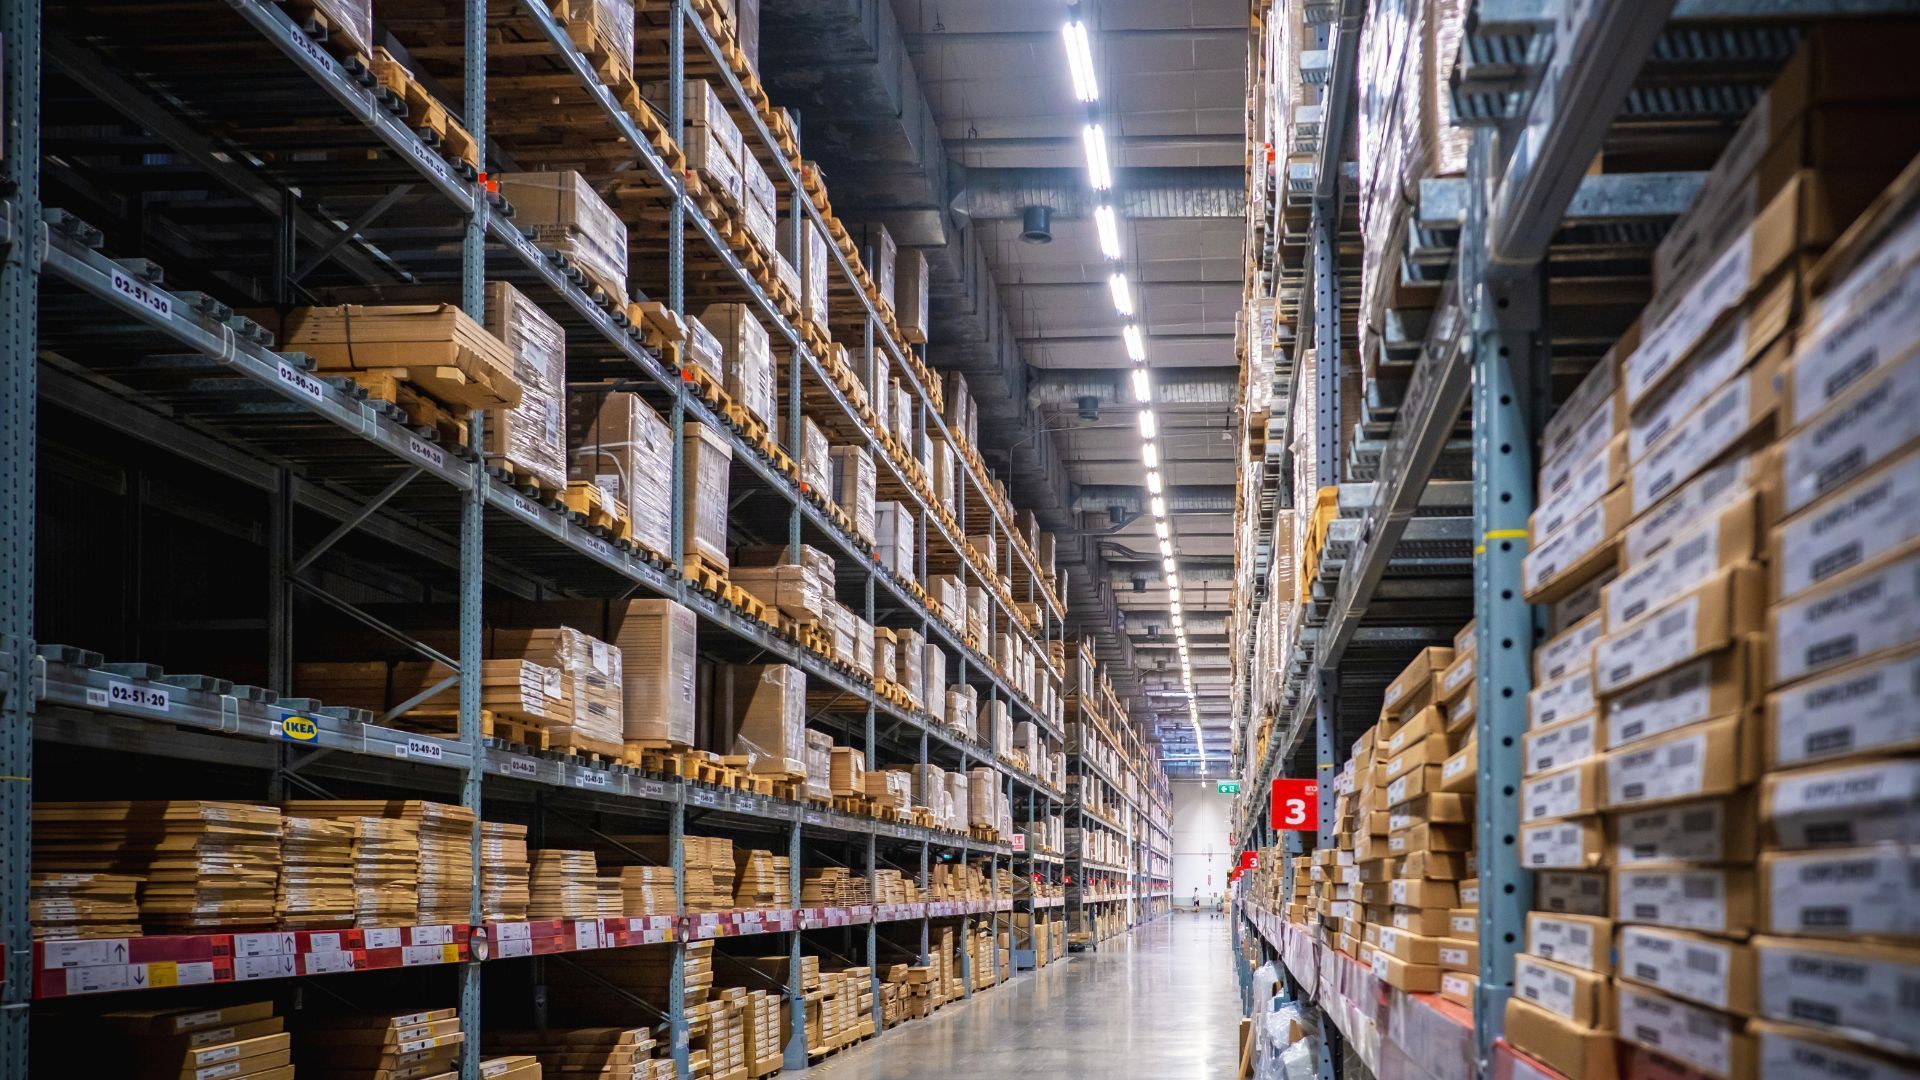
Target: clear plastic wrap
(933, 682)
(894, 531)
(705, 351)
(863, 645)
(884, 256)
(910, 296)
(941, 469)
(770, 716)
(532, 436)
(901, 412)
(349, 22)
(708, 461)
(883, 653)
(593, 682)
(814, 259)
(853, 484)
(619, 444)
(891, 787)
(983, 797)
(658, 642)
(819, 765)
(563, 211)
(849, 774)
(881, 388)
(761, 203)
(748, 356)
(816, 457)
(909, 660)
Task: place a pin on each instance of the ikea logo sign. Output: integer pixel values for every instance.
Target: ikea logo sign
(299, 728)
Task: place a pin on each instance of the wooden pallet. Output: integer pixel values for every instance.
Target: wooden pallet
(318, 25)
(586, 499)
(707, 578)
(853, 804)
(985, 834)
(421, 412)
(426, 115)
(518, 477)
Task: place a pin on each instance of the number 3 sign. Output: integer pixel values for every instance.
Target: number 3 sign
(1295, 806)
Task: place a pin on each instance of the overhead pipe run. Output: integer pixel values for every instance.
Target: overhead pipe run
(1171, 387)
(1127, 498)
(1210, 192)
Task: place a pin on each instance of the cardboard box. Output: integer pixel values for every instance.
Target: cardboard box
(1571, 993)
(1723, 830)
(1713, 1042)
(1573, 1051)
(1424, 724)
(1459, 987)
(1460, 775)
(1463, 922)
(1853, 989)
(1860, 614)
(563, 210)
(1864, 328)
(1558, 563)
(1423, 893)
(1435, 808)
(1408, 946)
(1693, 967)
(1868, 892)
(1413, 784)
(1572, 485)
(1574, 892)
(1714, 758)
(1705, 619)
(1560, 699)
(1864, 708)
(1872, 422)
(1557, 745)
(1699, 499)
(1857, 525)
(1798, 1053)
(1577, 941)
(1568, 792)
(708, 461)
(1737, 414)
(1431, 922)
(1426, 753)
(1401, 975)
(1709, 899)
(1569, 651)
(658, 642)
(1846, 805)
(1573, 844)
(1412, 690)
(1425, 837)
(1728, 537)
(1695, 692)
(1579, 603)
(1810, 211)
(1459, 954)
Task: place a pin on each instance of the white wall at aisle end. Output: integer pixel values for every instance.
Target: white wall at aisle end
(1202, 855)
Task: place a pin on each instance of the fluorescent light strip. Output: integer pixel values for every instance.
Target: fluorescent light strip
(1148, 424)
(1136, 345)
(1142, 386)
(1122, 294)
(1080, 61)
(1149, 456)
(1109, 229)
(1099, 169)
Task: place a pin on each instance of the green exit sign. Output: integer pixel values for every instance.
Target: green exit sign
(1228, 787)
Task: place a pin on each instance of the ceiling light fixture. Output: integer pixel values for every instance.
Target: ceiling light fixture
(1136, 345)
(1122, 294)
(1167, 564)
(1160, 529)
(1148, 424)
(1149, 456)
(1080, 61)
(1109, 229)
(1099, 169)
(1159, 506)
(1142, 386)
(1153, 486)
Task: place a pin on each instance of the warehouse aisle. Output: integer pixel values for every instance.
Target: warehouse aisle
(1159, 1002)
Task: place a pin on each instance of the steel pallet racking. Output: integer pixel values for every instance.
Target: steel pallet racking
(1418, 549)
(180, 371)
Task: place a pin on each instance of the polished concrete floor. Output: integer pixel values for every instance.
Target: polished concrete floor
(1158, 1003)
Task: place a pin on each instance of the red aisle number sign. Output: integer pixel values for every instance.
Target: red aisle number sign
(1295, 806)
(1018, 841)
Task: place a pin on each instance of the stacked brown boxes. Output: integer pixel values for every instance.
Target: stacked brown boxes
(505, 873)
(761, 880)
(563, 211)
(708, 465)
(204, 866)
(564, 885)
(245, 1041)
(1839, 881)
(616, 442)
(592, 683)
(530, 437)
(407, 849)
(770, 718)
(854, 477)
(587, 1052)
(658, 640)
(424, 1044)
(316, 874)
(748, 356)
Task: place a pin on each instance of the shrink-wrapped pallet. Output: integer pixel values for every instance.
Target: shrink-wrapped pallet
(707, 479)
(565, 213)
(748, 357)
(531, 437)
(620, 445)
(770, 718)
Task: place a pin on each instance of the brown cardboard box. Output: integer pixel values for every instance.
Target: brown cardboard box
(1564, 844)
(1792, 1051)
(1573, 994)
(1842, 986)
(1865, 708)
(1413, 689)
(1572, 891)
(1568, 651)
(1433, 750)
(1437, 808)
(1560, 699)
(1714, 758)
(1570, 485)
(1713, 1042)
(1557, 745)
(1460, 954)
(1856, 525)
(1458, 676)
(1587, 546)
(1574, 1052)
(1730, 536)
(1722, 830)
(1423, 893)
(1861, 892)
(1414, 784)
(1422, 725)
(1567, 792)
(1431, 922)
(1694, 692)
(1401, 975)
(1578, 941)
(1849, 804)
(1723, 401)
(1709, 617)
(1425, 837)
(1408, 946)
(1460, 775)
(1709, 899)
(1459, 987)
(1862, 613)
(1696, 968)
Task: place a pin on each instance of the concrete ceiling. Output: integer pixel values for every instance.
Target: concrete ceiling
(983, 85)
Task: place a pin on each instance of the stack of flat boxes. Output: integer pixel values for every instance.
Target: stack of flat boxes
(1833, 972)
(1410, 882)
